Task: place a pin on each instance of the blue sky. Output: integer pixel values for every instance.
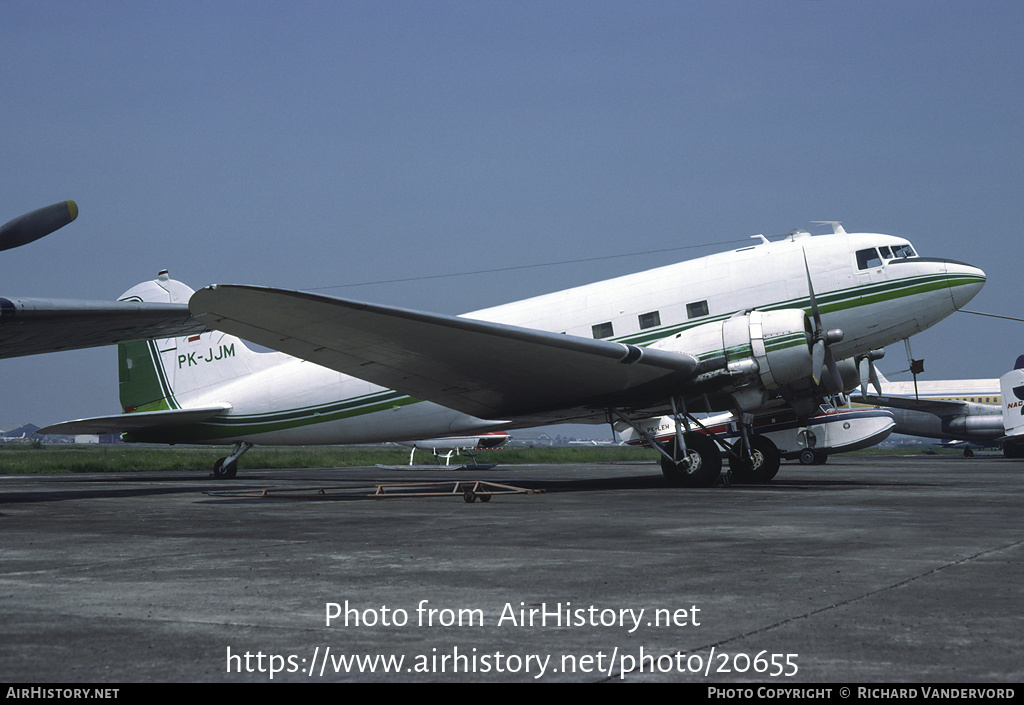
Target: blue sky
(328, 144)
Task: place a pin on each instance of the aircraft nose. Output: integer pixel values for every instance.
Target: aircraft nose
(965, 281)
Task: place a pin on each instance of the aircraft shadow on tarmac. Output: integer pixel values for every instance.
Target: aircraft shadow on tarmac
(346, 486)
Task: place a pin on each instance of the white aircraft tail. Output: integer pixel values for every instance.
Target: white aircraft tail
(1011, 388)
(175, 373)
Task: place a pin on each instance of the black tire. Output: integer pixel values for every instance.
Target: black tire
(808, 456)
(763, 464)
(703, 465)
(224, 471)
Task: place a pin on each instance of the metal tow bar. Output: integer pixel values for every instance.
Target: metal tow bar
(471, 490)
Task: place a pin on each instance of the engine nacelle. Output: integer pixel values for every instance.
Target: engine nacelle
(761, 351)
(849, 376)
(987, 426)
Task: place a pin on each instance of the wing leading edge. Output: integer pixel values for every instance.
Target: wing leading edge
(489, 370)
(939, 407)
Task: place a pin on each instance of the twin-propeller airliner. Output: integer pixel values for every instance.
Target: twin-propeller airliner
(776, 324)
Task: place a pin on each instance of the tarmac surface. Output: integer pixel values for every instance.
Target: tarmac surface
(864, 570)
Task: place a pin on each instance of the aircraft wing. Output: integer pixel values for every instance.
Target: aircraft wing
(939, 407)
(135, 422)
(33, 326)
(486, 369)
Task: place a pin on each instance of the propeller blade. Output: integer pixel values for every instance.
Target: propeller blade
(833, 368)
(873, 375)
(868, 373)
(36, 224)
(820, 354)
(810, 290)
(817, 359)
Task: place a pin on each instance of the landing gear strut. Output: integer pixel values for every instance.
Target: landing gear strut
(226, 468)
(689, 459)
(692, 458)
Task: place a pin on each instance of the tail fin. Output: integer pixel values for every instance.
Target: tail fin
(175, 373)
(1011, 388)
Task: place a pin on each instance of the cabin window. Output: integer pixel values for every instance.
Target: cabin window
(650, 320)
(903, 251)
(885, 252)
(866, 259)
(697, 309)
(603, 330)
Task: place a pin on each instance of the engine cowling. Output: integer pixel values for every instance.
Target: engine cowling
(759, 351)
(987, 426)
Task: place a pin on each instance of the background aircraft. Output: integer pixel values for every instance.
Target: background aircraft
(1011, 386)
(30, 326)
(457, 445)
(775, 324)
(951, 410)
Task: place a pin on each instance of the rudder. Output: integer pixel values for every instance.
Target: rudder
(174, 373)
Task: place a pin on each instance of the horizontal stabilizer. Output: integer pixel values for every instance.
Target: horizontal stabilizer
(34, 326)
(140, 421)
(489, 370)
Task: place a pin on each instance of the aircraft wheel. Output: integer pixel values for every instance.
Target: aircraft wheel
(702, 467)
(763, 463)
(813, 456)
(224, 471)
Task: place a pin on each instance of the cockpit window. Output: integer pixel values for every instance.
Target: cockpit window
(866, 259)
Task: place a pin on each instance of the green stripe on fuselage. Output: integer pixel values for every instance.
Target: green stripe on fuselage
(229, 427)
(830, 302)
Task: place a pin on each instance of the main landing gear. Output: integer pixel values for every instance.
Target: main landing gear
(702, 466)
(226, 468)
(693, 459)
